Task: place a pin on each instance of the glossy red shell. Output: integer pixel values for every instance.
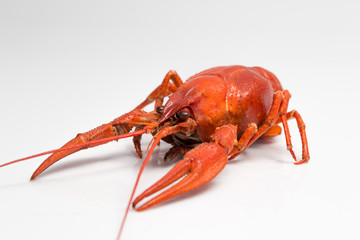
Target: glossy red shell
(225, 95)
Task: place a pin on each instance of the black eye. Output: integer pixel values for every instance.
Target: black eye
(159, 109)
(184, 115)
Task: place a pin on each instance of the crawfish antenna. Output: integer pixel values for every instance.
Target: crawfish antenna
(154, 144)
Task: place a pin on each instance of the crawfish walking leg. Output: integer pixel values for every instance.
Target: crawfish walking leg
(284, 117)
(270, 119)
(301, 125)
(165, 89)
(244, 140)
(268, 123)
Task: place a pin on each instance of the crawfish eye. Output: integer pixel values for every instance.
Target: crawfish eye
(159, 109)
(184, 115)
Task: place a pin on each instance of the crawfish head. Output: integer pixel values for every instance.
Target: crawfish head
(203, 100)
(187, 114)
(180, 129)
(193, 113)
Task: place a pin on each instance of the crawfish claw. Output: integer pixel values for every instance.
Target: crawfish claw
(105, 130)
(199, 166)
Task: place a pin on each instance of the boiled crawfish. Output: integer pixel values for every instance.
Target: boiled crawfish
(210, 119)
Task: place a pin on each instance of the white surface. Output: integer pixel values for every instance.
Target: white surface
(68, 66)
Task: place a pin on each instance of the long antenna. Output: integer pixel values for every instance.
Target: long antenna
(154, 144)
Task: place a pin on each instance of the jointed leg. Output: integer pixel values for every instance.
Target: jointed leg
(269, 121)
(301, 125)
(165, 89)
(271, 117)
(278, 113)
(244, 140)
(284, 117)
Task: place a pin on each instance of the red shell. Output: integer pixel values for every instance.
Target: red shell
(225, 95)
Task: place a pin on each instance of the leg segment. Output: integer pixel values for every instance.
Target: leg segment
(271, 117)
(278, 113)
(284, 116)
(301, 125)
(165, 89)
(244, 140)
(268, 123)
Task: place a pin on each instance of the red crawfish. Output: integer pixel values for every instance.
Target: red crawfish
(210, 119)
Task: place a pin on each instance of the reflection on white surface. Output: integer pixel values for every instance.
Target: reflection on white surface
(67, 67)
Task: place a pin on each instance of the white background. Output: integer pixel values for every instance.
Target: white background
(69, 66)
